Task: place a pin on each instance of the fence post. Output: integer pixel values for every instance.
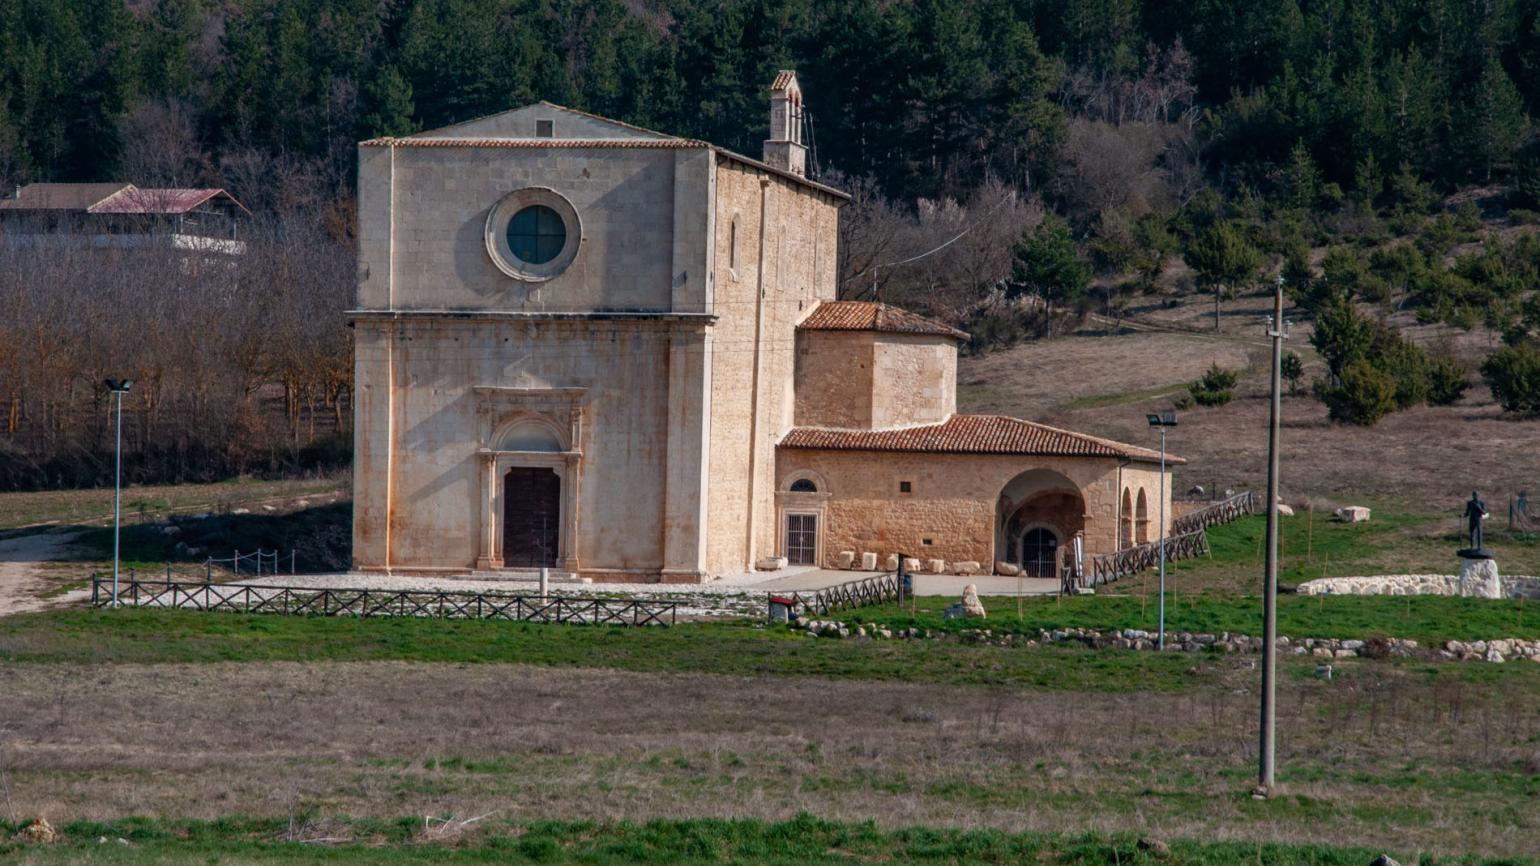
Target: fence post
(236, 563)
(545, 579)
(291, 562)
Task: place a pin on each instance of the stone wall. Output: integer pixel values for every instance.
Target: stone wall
(914, 379)
(953, 500)
(833, 377)
(799, 271)
(1514, 586)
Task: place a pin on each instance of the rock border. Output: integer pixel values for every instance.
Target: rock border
(1495, 651)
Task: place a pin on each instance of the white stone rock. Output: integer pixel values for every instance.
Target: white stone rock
(1285, 510)
(846, 558)
(891, 563)
(1479, 579)
(1353, 514)
(772, 563)
(911, 565)
(868, 562)
(1007, 569)
(935, 566)
(970, 601)
(966, 567)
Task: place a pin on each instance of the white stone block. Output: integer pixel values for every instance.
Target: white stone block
(935, 566)
(1479, 579)
(1007, 569)
(772, 563)
(846, 558)
(1353, 514)
(966, 567)
(868, 561)
(891, 563)
(911, 565)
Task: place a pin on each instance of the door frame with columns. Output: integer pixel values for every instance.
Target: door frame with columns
(506, 416)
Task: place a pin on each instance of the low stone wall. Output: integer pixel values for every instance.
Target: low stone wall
(1135, 639)
(1514, 586)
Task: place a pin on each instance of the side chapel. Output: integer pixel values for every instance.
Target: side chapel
(590, 346)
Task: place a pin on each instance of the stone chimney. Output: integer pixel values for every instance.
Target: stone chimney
(784, 149)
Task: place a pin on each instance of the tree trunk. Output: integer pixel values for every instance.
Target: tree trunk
(1217, 291)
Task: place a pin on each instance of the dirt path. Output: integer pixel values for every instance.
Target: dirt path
(22, 579)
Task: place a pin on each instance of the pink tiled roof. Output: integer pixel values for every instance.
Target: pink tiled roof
(136, 200)
(874, 316)
(61, 196)
(971, 434)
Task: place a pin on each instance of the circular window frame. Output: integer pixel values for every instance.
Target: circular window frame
(497, 234)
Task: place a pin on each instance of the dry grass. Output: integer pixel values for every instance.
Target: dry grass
(1432, 456)
(1380, 755)
(94, 506)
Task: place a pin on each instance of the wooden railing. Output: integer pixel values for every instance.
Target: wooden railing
(442, 604)
(1111, 566)
(1224, 511)
(867, 591)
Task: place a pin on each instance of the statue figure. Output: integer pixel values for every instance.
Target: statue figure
(1475, 513)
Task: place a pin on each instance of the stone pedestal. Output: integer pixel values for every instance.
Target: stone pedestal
(1478, 578)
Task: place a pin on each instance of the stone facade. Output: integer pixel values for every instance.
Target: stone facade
(625, 404)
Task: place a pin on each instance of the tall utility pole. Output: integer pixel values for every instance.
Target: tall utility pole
(1162, 421)
(1278, 330)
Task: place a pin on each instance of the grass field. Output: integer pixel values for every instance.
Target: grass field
(802, 840)
(145, 503)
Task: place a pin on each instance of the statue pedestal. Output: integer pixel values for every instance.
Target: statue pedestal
(1478, 575)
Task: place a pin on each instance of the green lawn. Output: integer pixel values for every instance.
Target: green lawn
(1430, 620)
(804, 840)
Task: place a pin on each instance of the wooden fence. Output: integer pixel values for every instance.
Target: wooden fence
(867, 591)
(1111, 566)
(1223, 511)
(441, 604)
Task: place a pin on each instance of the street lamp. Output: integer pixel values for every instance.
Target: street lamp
(1161, 421)
(118, 387)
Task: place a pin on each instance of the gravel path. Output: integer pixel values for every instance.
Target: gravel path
(22, 581)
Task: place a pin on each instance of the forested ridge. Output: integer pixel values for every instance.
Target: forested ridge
(1049, 158)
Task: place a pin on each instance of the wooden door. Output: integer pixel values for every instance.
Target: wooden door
(531, 517)
(802, 539)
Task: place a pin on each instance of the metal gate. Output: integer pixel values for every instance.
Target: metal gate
(1039, 554)
(531, 517)
(802, 539)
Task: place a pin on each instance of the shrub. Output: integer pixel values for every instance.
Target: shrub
(1293, 369)
(1446, 381)
(1214, 388)
(1513, 373)
(1405, 363)
(1364, 397)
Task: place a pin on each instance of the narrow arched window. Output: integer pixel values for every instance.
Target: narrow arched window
(803, 485)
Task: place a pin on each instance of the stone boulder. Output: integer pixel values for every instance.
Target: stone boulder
(846, 558)
(911, 565)
(772, 563)
(935, 566)
(1383, 860)
(39, 831)
(1007, 569)
(891, 563)
(1352, 514)
(970, 601)
(868, 562)
(1284, 510)
(1479, 579)
(966, 567)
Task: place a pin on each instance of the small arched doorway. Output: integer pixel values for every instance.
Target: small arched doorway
(1039, 553)
(531, 517)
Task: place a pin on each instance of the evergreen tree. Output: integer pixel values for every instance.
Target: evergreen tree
(391, 99)
(1495, 122)
(1223, 259)
(1047, 264)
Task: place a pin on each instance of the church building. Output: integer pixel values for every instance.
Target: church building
(617, 353)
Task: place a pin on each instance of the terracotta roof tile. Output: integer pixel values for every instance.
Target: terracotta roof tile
(874, 316)
(972, 434)
(783, 79)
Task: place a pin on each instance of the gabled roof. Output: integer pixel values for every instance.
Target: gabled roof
(874, 316)
(137, 200)
(572, 128)
(110, 198)
(972, 434)
(784, 79)
(61, 196)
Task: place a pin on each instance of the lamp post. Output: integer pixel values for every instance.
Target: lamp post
(118, 387)
(1161, 421)
(1278, 331)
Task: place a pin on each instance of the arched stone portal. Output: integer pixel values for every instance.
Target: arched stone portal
(1142, 519)
(1038, 499)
